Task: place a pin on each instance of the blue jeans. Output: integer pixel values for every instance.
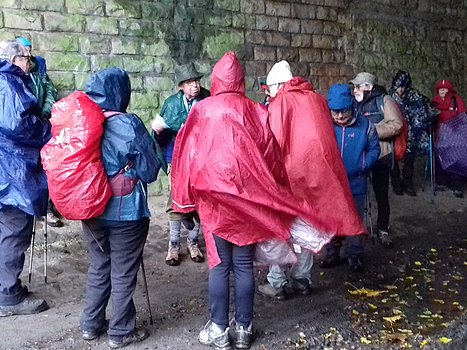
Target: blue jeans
(112, 273)
(240, 261)
(15, 238)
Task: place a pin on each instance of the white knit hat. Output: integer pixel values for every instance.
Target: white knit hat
(279, 73)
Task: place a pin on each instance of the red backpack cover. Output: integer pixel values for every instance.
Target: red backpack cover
(78, 184)
(400, 141)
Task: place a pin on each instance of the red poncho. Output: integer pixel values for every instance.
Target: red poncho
(302, 124)
(227, 166)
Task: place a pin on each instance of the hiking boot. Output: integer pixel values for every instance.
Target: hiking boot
(94, 334)
(331, 260)
(355, 263)
(135, 337)
(301, 286)
(172, 258)
(458, 193)
(243, 336)
(53, 220)
(28, 306)
(384, 238)
(212, 334)
(398, 190)
(193, 250)
(409, 188)
(271, 292)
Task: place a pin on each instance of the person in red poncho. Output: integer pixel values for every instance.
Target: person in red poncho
(301, 122)
(450, 105)
(227, 167)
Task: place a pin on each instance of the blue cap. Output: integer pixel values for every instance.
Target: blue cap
(339, 97)
(23, 41)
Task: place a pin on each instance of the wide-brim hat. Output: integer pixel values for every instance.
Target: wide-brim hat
(186, 72)
(363, 78)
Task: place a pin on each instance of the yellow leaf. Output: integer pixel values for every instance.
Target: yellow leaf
(396, 312)
(418, 263)
(367, 292)
(465, 263)
(372, 306)
(355, 312)
(392, 319)
(390, 287)
(372, 321)
(433, 250)
(455, 303)
(439, 301)
(444, 340)
(409, 278)
(407, 331)
(321, 274)
(424, 343)
(364, 340)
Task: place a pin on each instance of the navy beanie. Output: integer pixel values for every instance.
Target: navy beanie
(339, 97)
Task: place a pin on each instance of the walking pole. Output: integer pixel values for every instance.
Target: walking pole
(368, 213)
(432, 169)
(145, 282)
(31, 253)
(45, 249)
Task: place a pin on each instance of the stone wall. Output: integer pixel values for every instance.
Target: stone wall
(324, 40)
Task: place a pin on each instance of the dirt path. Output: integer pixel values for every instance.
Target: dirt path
(421, 283)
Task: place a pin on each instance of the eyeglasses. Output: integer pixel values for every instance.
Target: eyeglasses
(28, 57)
(346, 113)
(192, 82)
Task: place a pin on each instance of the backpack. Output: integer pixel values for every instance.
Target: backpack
(399, 142)
(72, 160)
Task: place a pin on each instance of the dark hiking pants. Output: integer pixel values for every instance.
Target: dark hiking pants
(380, 179)
(15, 238)
(112, 274)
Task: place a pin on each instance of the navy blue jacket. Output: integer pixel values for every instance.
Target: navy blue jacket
(359, 147)
(125, 140)
(23, 132)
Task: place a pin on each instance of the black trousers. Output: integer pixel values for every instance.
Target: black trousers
(112, 273)
(15, 238)
(407, 170)
(380, 180)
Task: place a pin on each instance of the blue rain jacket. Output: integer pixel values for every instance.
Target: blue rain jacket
(125, 140)
(23, 132)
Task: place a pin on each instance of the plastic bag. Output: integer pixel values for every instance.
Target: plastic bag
(72, 159)
(308, 237)
(274, 252)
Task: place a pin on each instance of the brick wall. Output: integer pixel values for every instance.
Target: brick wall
(326, 41)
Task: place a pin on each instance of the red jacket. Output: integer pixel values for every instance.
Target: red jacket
(452, 104)
(302, 124)
(227, 166)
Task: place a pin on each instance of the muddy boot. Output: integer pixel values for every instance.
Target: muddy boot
(243, 336)
(409, 188)
(194, 251)
(212, 334)
(172, 258)
(271, 292)
(28, 306)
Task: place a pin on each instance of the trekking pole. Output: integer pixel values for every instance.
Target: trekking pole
(31, 253)
(45, 249)
(145, 282)
(432, 169)
(368, 213)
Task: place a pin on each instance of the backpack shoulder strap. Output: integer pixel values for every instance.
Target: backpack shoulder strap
(380, 102)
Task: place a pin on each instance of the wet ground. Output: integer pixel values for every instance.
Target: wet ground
(412, 296)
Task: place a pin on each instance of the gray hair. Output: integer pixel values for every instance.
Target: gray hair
(8, 49)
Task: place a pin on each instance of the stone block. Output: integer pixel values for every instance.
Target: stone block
(67, 61)
(85, 7)
(231, 5)
(267, 22)
(254, 68)
(206, 4)
(92, 44)
(289, 25)
(277, 39)
(11, 4)
(333, 56)
(264, 53)
(332, 28)
(105, 61)
(81, 80)
(347, 71)
(129, 46)
(248, 6)
(303, 11)
(163, 65)
(7, 35)
(57, 22)
(182, 15)
(288, 54)
(325, 41)
(310, 55)
(102, 25)
(44, 5)
(156, 10)
(275, 8)
(55, 42)
(240, 20)
(24, 20)
(326, 13)
(62, 80)
(302, 40)
(158, 48)
(136, 82)
(136, 64)
(218, 18)
(136, 27)
(216, 45)
(123, 8)
(312, 27)
(158, 83)
(147, 100)
(256, 37)
(301, 70)
(337, 3)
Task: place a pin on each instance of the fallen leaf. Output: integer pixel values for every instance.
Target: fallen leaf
(392, 319)
(372, 306)
(418, 263)
(424, 343)
(439, 301)
(355, 312)
(444, 340)
(364, 340)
